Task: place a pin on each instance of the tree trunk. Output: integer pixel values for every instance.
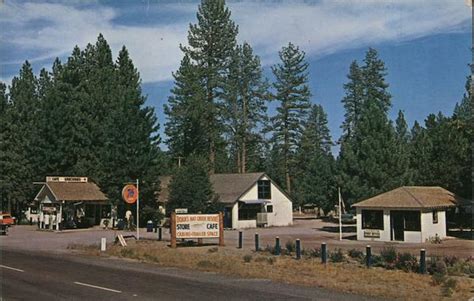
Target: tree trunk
(239, 167)
(244, 138)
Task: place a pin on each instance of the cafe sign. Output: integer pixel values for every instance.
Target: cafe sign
(197, 226)
(190, 226)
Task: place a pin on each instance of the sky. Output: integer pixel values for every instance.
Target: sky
(425, 43)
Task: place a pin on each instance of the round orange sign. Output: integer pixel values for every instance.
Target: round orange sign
(130, 194)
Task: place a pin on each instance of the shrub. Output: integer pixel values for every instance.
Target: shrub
(290, 246)
(439, 267)
(389, 255)
(377, 261)
(316, 252)
(449, 286)
(271, 260)
(213, 250)
(407, 262)
(356, 254)
(461, 267)
(247, 258)
(270, 249)
(438, 278)
(451, 260)
(336, 256)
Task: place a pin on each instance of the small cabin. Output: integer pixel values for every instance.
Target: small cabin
(406, 214)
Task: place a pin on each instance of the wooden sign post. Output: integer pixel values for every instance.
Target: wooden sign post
(221, 229)
(173, 230)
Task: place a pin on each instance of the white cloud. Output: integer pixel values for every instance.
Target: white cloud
(50, 30)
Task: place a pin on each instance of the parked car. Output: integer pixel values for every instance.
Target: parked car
(348, 218)
(6, 219)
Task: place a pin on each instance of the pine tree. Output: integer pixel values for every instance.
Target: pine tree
(292, 93)
(440, 155)
(315, 170)
(353, 100)
(185, 126)
(375, 87)
(401, 174)
(23, 118)
(244, 108)
(367, 161)
(191, 187)
(211, 44)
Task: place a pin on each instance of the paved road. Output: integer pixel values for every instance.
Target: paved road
(41, 276)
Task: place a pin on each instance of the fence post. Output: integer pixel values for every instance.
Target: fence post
(423, 261)
(257, 248)
(240, 239)
(323, 253)
(277, 246)
(160, 233)
(298, 249)
(368, 256)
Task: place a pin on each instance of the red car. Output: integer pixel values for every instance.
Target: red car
(6, 219)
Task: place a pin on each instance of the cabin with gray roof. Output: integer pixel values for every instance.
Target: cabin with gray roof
(71, 202)
(251, 200)
(409, 214)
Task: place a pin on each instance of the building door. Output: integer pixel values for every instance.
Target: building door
(228, 217)
(397, 226)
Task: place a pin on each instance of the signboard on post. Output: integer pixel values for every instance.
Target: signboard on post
(130, 194)
(196, 226)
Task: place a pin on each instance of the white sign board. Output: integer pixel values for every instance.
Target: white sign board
(181, 210)
(67, 179)
(197, 226)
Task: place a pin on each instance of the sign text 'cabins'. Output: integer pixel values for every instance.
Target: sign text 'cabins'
(197, 226)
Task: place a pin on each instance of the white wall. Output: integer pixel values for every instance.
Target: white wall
(429, 229)
(384, 234)
(282, 209)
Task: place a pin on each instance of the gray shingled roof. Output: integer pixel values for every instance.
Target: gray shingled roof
(72, 191)
(418, 197)
(229, 187)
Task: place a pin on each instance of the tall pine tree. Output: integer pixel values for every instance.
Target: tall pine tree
(244, 108)
(315, 170)
(293, 95)
(211, 43)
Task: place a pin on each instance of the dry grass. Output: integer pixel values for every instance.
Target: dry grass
(346, 277)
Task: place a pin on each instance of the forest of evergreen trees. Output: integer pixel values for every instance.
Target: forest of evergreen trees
(88, 117)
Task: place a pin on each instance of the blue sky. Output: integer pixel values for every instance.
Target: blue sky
(425, 44)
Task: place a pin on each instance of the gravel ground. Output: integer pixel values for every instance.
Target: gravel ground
(311, 232)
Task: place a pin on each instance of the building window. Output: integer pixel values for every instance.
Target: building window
(372, 219)
(249, 211)
(435, 216)
(412, 221)
(270, 208)
(264, 191)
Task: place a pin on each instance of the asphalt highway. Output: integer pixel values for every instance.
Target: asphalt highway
(42, 276)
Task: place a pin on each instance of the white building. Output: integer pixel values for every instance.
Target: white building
(409, 213)
(251, 200)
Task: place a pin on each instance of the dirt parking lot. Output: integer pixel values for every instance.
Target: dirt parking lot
(311, 232)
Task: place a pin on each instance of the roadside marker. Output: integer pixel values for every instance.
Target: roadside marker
(10, 268)
(98, 287)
